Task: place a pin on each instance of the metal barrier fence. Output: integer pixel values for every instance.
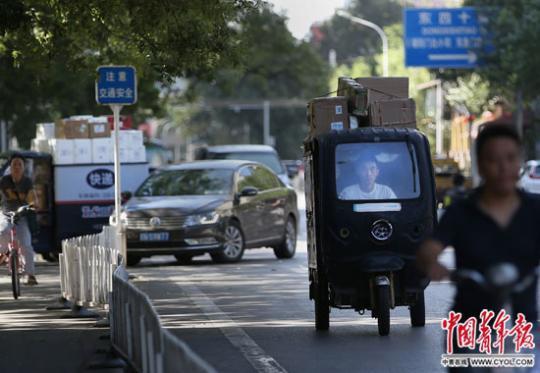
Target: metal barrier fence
(137, 334)
(86, 267)
(91, 275)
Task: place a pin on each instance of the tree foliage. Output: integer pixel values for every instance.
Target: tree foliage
(274, 66)
(173, 38)
(351, 40)
(50, 49)
(515, 29)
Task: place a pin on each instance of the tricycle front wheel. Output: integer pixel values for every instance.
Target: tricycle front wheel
(322, 303)
(383, 309)
(418, 311)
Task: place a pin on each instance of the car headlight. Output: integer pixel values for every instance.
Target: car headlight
(202, 219)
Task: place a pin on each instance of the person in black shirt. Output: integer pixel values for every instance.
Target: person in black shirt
(497, 223)
(457, 192)
(17, 190)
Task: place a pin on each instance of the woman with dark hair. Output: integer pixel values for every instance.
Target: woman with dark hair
(17, 190)
(497, 223)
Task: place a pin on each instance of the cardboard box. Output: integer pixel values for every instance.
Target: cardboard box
(393, 113)
(82, 151)
(136, 138)
(45, 131)
(129, 139)
(125, 155)
(102, 150)
(385, 88)
(327, 114)
(99, 130)
(41, 145)
(73, 129)
(357, 96)
(59, 129)
(81, 117)
(138, 154)
(63, 151)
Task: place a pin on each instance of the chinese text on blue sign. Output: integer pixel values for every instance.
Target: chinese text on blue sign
(116, 85)
(446, 37)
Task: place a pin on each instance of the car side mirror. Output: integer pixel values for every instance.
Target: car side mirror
(249, 192)
(126, 196)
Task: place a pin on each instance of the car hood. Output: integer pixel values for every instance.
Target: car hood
(172, 206)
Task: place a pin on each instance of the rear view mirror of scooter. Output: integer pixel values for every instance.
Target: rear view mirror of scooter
(500, 280)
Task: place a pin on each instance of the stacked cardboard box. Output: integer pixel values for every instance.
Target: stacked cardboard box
(377, 102)
(85, 139)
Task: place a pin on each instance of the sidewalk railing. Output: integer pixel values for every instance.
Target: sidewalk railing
(137, 334)
(86, 267)
(91, 275)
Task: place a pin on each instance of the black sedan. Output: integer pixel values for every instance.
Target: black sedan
(215, 207)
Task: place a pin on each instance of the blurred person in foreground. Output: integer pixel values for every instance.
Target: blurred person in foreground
(496, 223)
(17, 190)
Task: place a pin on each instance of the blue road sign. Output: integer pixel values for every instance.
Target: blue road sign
(444, 37)
(116, 85)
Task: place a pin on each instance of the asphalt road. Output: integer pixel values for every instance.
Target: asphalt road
(256, 316)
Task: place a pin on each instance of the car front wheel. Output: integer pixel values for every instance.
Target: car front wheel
(233, 248)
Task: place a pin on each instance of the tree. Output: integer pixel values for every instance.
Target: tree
(172, 38)
(351, 40)
(515, 30)
(275, 66)
(49, 51)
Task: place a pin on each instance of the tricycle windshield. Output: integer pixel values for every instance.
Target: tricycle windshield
(376, 171)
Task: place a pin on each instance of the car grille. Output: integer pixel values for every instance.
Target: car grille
(166, 222)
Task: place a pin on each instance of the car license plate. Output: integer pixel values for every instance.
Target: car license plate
(154, 236)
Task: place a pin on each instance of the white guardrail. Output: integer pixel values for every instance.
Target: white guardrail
(86, 267)
(91, 275)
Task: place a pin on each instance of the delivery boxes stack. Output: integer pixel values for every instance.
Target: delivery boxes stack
(87, 140)
(363, 102)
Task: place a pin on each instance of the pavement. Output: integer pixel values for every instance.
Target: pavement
(34, 340)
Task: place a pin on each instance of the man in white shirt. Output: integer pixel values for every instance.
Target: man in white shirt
(367, 189)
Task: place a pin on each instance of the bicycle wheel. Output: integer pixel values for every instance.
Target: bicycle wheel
(15, 278)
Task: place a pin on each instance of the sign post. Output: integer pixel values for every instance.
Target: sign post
(116, 86)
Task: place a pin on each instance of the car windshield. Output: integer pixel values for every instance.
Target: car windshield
(376, 171)
(268, 159)
(187, 182)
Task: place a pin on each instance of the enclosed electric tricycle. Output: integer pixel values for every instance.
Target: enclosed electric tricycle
(370, 201)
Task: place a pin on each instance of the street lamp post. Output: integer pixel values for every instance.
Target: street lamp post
(373, 26)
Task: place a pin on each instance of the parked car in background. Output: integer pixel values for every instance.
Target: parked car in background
(530, 177)
(218, 207)
(293, 167)
(264, 154)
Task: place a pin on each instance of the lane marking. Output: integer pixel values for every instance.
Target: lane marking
(256, 356)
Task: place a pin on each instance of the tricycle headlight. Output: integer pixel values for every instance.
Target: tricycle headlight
(202, 219)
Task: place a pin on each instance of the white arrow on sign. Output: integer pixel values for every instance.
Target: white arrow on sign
(469, 57)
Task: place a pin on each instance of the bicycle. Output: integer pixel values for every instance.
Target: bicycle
(15, 259)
